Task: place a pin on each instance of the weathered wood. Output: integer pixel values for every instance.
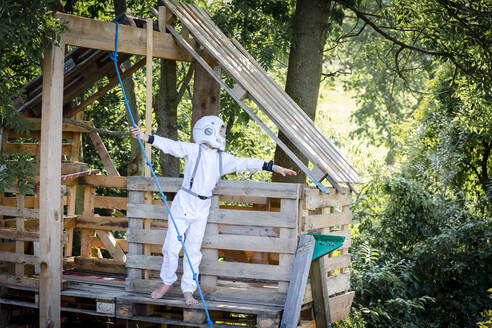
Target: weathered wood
(134, 250)
(19, 258)
(224, 187)
(338, 283)
(19, 235)
(319, 288)
(97, 243)
(110, 202)
(223, 269)
(220, 216)
(50, 211)
(27, 282)
(19, 244)
(103, 154)
(337, 262)
(102, 222)
(316, 199)
(313, 222)
(100, 265)
(88, 33)
(340, 306)
(103, 181)
(214, 241)
(19, 212)
(298, 281)
(85, 234)
(111, 245)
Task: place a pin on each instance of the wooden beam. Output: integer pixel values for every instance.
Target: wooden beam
(103, 154)
(319, 288)
(89, 33)
(111, 245)
(19, 227)
(298, 282)
(50, 206)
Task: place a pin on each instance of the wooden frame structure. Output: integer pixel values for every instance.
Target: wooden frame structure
(253, 229)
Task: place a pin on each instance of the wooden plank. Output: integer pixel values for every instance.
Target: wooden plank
(27, 282)
(223, 269)
(260, 297)
(313, 222)
(88, 33)
(298, 281)
(134, 250)
(123, 244)
(110, 202)
(215, 241)
(51, 211)
(100, 265)
(103, 154)
(103, 181)
(33, 148)
(224, 187)
(338, 283)
(209, 282)
(220, 216)
(340, 306)
(319, 288)
(88, 210)
(111, 245)
(102, 222)
(336, 262)
(343, 233)
(19, 258)
(316, 199)
(26, 213)
(17, 235)
(19, 244)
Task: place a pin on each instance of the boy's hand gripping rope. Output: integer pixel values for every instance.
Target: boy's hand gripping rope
(114, 57)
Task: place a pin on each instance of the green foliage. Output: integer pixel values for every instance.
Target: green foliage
(17, 171)
(418, 260)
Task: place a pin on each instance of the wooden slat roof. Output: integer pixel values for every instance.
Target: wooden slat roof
(266, 93)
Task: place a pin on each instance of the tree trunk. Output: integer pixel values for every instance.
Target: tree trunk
(166, 111)
(136, 166)
(206, 95)
(304, 71)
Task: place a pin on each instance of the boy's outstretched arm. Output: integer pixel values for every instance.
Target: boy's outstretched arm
(282, 170)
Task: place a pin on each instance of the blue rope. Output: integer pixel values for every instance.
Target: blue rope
(114, 57)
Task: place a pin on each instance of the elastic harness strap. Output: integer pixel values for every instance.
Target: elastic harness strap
(196, 165)
(220, 163)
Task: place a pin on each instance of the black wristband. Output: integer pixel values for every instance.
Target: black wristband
(151, 139)
(268, 166)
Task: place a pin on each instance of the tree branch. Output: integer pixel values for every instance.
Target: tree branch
(376, 28)
(91, 128)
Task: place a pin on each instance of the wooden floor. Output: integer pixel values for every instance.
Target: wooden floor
(105, 296)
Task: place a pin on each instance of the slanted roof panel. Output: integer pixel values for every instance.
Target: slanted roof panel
(265, 92)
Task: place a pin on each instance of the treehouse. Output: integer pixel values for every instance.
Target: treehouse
(257, 267)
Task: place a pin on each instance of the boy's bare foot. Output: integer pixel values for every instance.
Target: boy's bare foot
(159, 292)
(189, 299)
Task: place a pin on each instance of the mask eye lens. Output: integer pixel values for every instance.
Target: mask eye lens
(208, 131)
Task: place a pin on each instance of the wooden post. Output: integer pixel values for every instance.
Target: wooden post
(319, 288)
(298, 282)
(50, 216)
(148, 195)
(19, 244)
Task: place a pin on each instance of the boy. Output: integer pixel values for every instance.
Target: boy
(206, 162)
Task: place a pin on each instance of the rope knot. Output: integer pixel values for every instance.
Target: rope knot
(180, 238)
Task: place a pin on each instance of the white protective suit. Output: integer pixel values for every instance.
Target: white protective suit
(190, 212)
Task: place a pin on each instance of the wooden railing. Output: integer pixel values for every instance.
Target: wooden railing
(248, 251)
